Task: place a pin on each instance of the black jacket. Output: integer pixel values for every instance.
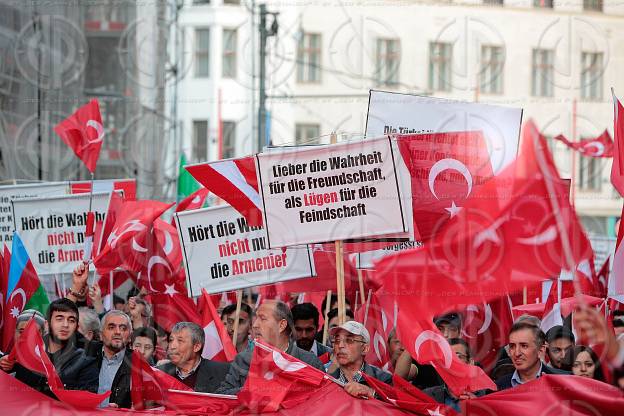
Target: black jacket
(322, 349)
(240, 367)
(505, 381)
(370, 370)
(441, 395)
(75, 369)
(210, 374)
(120, 389)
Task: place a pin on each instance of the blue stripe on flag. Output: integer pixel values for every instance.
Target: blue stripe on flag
(19, 259)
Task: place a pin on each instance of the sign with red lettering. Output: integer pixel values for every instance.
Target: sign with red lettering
(52, 229)
(337, 192)
(222, 253)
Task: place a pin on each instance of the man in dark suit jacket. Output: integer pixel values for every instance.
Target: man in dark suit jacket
(527, 344)
(306, 318)
(187, 365)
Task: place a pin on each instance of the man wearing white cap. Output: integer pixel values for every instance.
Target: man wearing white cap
(351, 342)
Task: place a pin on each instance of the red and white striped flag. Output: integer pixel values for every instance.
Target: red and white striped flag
(217, 346)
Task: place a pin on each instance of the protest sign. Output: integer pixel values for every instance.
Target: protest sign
(11, 192)
(52, 229)
(394, 113)
(343, 191)
(222, 253)
(127, 186)
(365, 259)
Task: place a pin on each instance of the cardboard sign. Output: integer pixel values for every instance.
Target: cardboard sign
(337, 192)
(52, 229)
(12, 192)
(222, 253)
(394, 113)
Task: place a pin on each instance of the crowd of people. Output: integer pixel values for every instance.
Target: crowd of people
(91, 348)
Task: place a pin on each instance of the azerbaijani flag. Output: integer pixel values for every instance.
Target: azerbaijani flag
(24, 291)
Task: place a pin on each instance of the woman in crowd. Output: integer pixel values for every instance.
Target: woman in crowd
(584, 362)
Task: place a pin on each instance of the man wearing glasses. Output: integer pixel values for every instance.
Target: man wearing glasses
(351, 342)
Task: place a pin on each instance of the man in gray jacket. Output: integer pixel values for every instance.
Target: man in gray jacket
(272, 324)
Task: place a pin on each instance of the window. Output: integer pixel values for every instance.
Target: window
(440, 61)
(493, 2)
(202, 53)
(233, 2)
(590, 175)
(309, 58)
(229, 53)
(591, 75)
(492, 64)
(543, 73)
(200, 140)
(546, 4)
(594, 5)
(229, 139)
(199, 2)
(307, 133)
(387, 61)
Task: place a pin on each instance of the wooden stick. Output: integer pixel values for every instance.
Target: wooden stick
(525, 294)
(326, 321)
(340, 284)
(239, 301)
(370, 293)
(361, 282)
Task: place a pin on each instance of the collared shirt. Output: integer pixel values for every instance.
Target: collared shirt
(314, 349)
(357, 376)
(516, 380)
(107, 372)
(182, 376)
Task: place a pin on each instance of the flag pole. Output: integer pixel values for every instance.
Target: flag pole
(573, 173)
(89, 228)
(361, 283)
(239, 300)
(340, 283)
(326, 323)
(370, 293)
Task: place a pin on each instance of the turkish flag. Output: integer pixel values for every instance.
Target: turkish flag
(193, 201)
(617, 169)
(407, 397)
(84, 133)
(111, 282)
(150, 384)
(601, 146)
(172, 306)
(133, 218)
(552, 309)
(275, 377)
(29, 351)
(446, 169)
(550, 395)
(602, 279)
(103, 229)
(218, 345)
(201, 403)
(486, 327)
(615, 285)
(379, 323)
(235, 182)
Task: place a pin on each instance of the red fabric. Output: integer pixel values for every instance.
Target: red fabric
(4, 279)
(218, 345)
(103, 229)
(169, 309)
(119, 277)
(200, 403)
(602, 279)
(132, 219)
(486, 328)
(223, 179)
(83, 133)
(275, 377)
(379, 324)
(601, 146)
(128, 186)
(436, 162)
(29, 351)
(193, 201)
(150, 384)
(617, 169)
(405, 396)
(550, 395)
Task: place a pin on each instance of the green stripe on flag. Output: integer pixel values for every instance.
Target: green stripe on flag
(39, 301)
(186, 182)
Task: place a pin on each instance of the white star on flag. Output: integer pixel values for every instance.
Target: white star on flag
(15, 311)
(435, 412)
(453, 209)
(170, 290)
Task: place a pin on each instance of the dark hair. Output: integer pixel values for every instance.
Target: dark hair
(146, 332)
(540, 337)
(62, 305)
(118, 299)
(459, 341)
(305, 311)
(332, 299)
(558, 332)
(232, 309)
(571, 355)
(134, 291)
(334, 313)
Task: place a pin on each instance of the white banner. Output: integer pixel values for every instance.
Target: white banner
(11, 192)
(394, 113)
(222, 253)
(52, 229)
(338, 192)
(365, 259)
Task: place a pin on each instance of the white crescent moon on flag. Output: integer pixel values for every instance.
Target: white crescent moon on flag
(595, 144)
(488, 319)
(384, 320)
(168, 247)
(196, 199)
(21, 292)
(137, 247)
(132, 225)
(444, 164)
(377, 341)
(99, 129)
(154, 260)
(549, 235)
(472, 309)
(428, 335)
(286, 365)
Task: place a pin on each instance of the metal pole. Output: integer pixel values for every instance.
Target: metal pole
(261, 85)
